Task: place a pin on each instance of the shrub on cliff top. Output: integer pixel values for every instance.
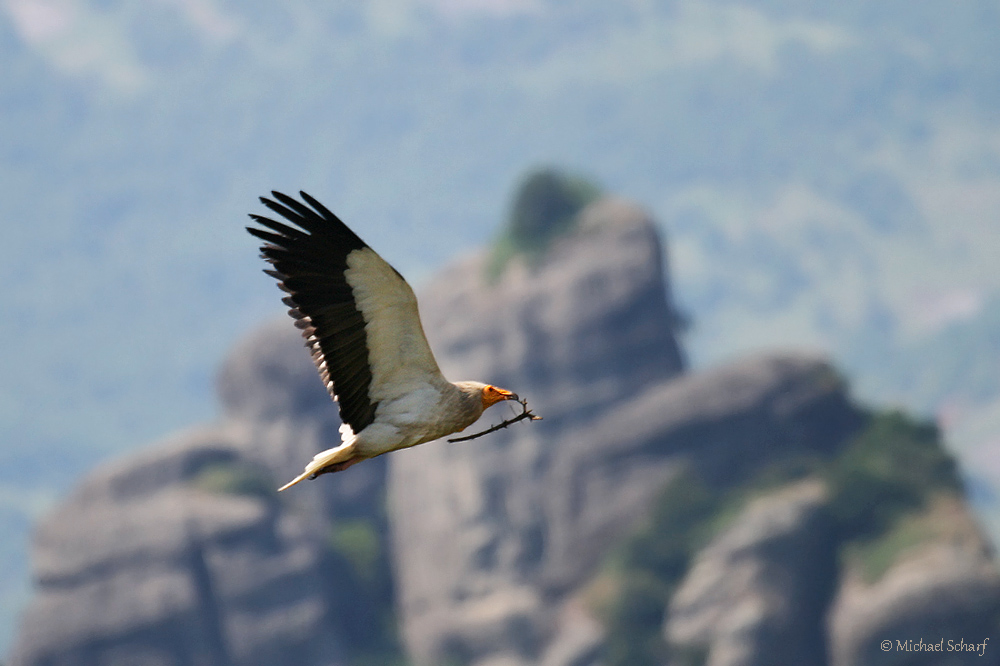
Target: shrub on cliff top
(544, 207)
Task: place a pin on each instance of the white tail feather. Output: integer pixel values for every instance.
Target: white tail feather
(341, 453)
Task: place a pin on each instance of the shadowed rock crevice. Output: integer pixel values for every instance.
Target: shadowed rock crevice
(211, 620)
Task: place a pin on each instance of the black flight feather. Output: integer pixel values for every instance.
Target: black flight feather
(309, 260)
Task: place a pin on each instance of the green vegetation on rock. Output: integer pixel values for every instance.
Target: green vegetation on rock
(357, 541)
(882, 485)
(544, 207)
(235, 479)
(643, 573)
(873, 557)
(890, 469)
(364, 597)
(879, 483)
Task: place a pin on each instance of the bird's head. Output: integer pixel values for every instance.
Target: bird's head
(493, 394)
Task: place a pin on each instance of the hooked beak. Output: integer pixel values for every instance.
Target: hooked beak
(494, 394)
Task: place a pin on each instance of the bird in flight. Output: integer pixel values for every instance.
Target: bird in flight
(360, 320)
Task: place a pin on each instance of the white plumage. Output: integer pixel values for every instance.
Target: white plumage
(360, 319)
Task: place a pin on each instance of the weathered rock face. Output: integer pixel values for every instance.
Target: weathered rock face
(273, 398)
(757, 594)
(593, 324)
(183, 555)
(493, 539)
(141, 566)
(473, 524)
(493, 536)
(944, 587)
(762, 592)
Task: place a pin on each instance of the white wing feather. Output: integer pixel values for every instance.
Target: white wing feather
(400, 359)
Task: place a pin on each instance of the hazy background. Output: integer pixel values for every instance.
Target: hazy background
(828, 175)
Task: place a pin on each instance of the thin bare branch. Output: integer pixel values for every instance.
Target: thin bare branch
(525, 414)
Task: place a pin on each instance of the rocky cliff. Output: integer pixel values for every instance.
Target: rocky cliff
(146, 563)
(652, 517)
(184, 554)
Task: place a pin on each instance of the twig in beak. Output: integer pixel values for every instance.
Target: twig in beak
(525, 414)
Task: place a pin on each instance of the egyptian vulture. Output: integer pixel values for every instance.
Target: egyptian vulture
(359, 318)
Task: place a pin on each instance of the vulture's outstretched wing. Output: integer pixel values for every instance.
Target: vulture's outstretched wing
(357, 314)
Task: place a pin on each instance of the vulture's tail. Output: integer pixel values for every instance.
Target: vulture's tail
(337, 458)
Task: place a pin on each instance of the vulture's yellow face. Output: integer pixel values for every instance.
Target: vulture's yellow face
(492, 395)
